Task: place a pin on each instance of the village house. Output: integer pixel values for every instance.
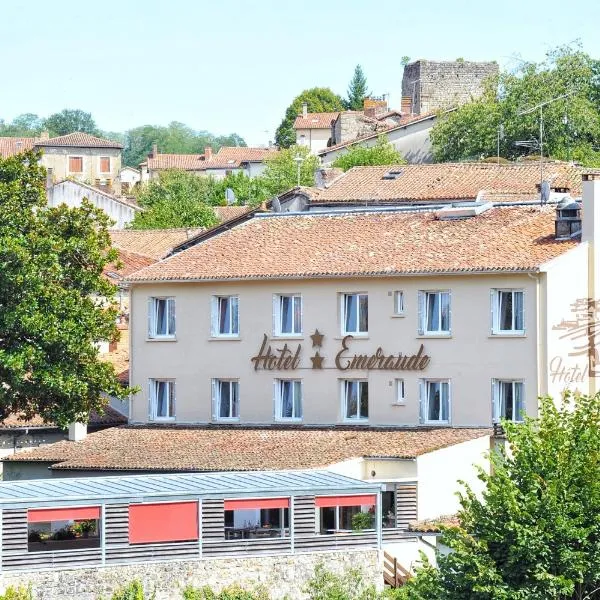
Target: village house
(128, 179)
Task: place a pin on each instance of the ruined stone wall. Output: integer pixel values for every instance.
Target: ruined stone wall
(281, 576)
(437, 85)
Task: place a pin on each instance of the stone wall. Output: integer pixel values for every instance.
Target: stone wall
(437, 85)
(280, 575)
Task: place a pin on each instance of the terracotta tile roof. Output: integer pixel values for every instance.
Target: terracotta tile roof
(110, 416)
(226, 213)
(186, 162)
(14, 145)
(446, 181)
(228, 157)
(151, 243)
(239, 155)
(78, 140)
(238, 448)
(339, 244)
(434, 525)
(320, 120)
(130, 263)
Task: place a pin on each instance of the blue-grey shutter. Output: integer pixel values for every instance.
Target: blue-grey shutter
(495, 403)
(449, 322)
(150, 317)
(150, 399)
(492, 310)
(171, 316)
(524, 325)
(422, 401)
(213, 384)
(214, 316)
(421, 313)
(276, 314)
(276, 402)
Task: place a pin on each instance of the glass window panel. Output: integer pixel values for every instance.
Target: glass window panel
(297, 385)
(434, 401)
(445, 311)
(506, 311)
(518, 309)
(445, 408)
(225, 399)
(433, 311)
(364, 400)
(363, 325)
(171, 313)
(351, 313)
(286, 314)
(287, 401)
(235, 317)
(224, 316)
(161, 317)
(297, 314)
(351, 399)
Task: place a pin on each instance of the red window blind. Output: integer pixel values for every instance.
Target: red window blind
(361, 500)
(257, 503)
(166, 522)
(104, 164)
(75, 164)
(73, 513)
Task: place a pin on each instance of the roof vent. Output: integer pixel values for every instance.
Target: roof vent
(567, 223)
(462, 210)
(393, 174)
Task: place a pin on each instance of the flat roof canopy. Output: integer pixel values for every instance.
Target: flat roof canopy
(165, 487)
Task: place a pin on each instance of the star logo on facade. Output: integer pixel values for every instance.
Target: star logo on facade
(317, 360)
(317, 339)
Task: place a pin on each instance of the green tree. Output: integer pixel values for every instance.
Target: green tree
(318, 100)
(571, 124)
(534, 533)
(51, 262)
(25, 125)
(70, 120)
(281, 173)
(382, 153)
(357, 90)
(177, 199)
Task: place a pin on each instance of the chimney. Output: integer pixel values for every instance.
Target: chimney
(326, 175)
(305, 109)
(567, 223)
(154, 152)
(44, 135)
(77, 432)
(406, 105)
(207, 153)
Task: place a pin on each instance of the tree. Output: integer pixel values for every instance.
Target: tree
(51, 319)
(177, 199)
(318, 100)
(25, 125)
(382, 153)
(357, 90)
(534, 533)
(571, 124)
(70, 120)
(281, 173)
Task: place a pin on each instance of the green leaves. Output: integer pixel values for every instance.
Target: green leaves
(55, 305)
(357, 90)
(382, 153)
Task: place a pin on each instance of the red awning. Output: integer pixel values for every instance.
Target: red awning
(257, 503)
(165, 522)
(361, 500)
(73, 513)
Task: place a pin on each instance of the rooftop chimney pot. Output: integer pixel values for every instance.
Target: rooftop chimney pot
(207, 153)
(305, 109)
(77, 432)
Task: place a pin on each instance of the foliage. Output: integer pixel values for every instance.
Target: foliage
(132, 591)
(70, 120)
(228, 593)
(176, 199)
(534, 533)
(325, 585)
(175, 138)
(51, 322)
(318, 100)
(571, 125)
(382, 153)
(357, 90)
(281, 173)
(362, 520)
(25, 125)
(20, 593)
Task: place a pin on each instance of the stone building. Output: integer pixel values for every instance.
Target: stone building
(431, 85)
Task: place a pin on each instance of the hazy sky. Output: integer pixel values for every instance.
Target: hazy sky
(233, 66)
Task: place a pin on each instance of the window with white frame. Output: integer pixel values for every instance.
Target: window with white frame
(226, 399)
(225, 316)
(287, 314)
(507, 401)
(161, 317)
(434, 313)
(162, 399)
(288, 399)
(355, 314)
(400, 391)
(435, 401)
(508, 312)
(398, 303)
(355, 400)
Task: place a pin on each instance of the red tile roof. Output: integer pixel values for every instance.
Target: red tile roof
(110, 416)
(186, 162)
(513, 238)
(214, 448)
(228, 157)
(317, 120)
(78, 140)
(151, 243)
(14, 145)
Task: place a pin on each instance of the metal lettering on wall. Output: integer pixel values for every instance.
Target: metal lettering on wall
(287, 358)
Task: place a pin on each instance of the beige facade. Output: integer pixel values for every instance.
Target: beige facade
(315, 139)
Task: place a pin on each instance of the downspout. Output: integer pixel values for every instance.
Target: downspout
(541, 324)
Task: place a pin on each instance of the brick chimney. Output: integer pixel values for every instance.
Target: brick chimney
(154, 152)
(374, 106)
(406, 105)
(305, 109)
(207, 153)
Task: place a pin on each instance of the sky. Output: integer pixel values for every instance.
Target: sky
(234, 66)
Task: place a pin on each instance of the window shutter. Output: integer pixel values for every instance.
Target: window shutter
(342, 314)
(449, 314)
(214, 316)
(172, 400)
(301, 314)
(171, 315)
(422, 401)
(495, 401)
(151, 318)
(151, 399)
(524, 326)
(214, 383)
(492, 311)
(276, 314)
(276, 402)
(421, 312)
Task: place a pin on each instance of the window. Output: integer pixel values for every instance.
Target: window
(355, 314)
(75, 164)
(341, 514)
(507, 312)
(105, 164)
(63, 528)
(398, 303)
(256, 518)
(225, 316)
(400, 391)
(435, 401)
(388, 507)
(161, 317)
(288, 399)
(434, 308)
(162, 399)
(163, 522)
(507, 400)
(355, 400)
(287, 315)
(226, 399)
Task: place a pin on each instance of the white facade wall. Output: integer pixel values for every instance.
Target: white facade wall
(315, 139)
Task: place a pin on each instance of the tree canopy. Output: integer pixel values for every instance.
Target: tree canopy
(382, 153)
(318, 100)
(25, 125)
(357, 90)
(69, 120)
(571, 124)
(56, 306)
(534, 533)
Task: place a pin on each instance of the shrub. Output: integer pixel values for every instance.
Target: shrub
(20, 593)
(132, 591)
(325, 585)
(228, 593)
(362, 520)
